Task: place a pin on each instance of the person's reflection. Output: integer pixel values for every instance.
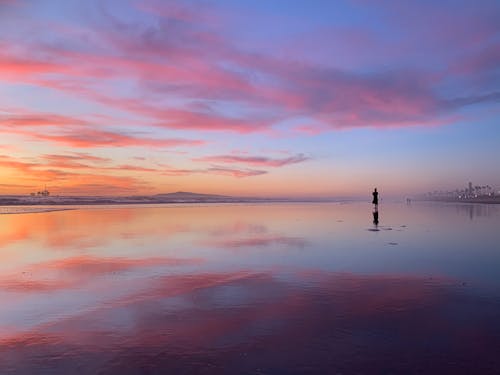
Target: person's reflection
(375, 207)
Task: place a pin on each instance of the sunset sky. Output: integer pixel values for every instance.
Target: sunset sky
(263, 98)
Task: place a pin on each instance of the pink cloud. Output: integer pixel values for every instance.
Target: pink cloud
(199, 12)
(234, 172)
(66, 161)
(88, 180)
(310, 129)
(486, 60)
(135, 168)
(78, 132)
(88, 157)
(75, 162)
(255, 160)
(89, 138)
(29, 119)
(15, 68)
(172, 171)
(217, 170)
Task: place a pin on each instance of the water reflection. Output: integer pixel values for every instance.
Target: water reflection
(250, 289)
(261, 241)
(477, 210)
(256, 322)
(471, 210)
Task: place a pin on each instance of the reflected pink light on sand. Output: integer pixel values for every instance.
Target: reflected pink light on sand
(260, 241)
(265, 297)
(76, 271)
(90, 282)
(167, 230)
(84, 228)
(203, 316)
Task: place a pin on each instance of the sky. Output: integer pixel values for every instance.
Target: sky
(257, 98)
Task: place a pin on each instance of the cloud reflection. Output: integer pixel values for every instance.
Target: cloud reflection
(294, 242)
(248, 322)
(77, 271)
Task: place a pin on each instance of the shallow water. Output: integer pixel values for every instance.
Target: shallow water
(251, 289)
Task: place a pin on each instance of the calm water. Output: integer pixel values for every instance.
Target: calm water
(242, 289)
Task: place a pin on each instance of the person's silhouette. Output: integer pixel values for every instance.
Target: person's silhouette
(375, 218)
(375, 197)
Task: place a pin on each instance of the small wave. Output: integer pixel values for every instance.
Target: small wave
(10, 210)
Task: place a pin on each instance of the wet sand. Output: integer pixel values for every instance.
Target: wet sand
(251, 289)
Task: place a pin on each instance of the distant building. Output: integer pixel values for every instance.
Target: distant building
(41, 193)
(471, 190)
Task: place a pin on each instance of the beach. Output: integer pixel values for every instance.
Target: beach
(251, 288)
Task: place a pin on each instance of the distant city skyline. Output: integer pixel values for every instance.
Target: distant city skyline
(272, 98)
(470, 190)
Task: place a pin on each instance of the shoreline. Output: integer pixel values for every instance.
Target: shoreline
(6, 210)
(8, 201)
(479, 200)
(45, 207)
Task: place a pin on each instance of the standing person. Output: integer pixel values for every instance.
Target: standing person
(375, 198)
